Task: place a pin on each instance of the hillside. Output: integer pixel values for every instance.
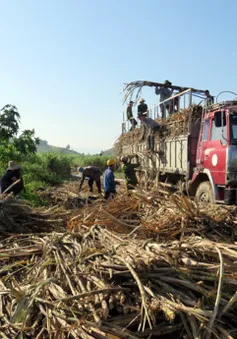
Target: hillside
(44, 147)
(108, 152)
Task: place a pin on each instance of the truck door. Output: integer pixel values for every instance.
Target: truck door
(205, 131)
(214, 152)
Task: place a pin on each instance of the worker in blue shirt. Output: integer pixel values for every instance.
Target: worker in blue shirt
(109, 179)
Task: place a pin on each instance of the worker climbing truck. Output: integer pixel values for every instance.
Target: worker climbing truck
(195, 146)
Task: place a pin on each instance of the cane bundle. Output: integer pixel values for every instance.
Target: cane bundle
(98, 284)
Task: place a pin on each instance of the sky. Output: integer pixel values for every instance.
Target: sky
(64, 63)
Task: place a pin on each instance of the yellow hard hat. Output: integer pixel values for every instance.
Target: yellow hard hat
(110, 162)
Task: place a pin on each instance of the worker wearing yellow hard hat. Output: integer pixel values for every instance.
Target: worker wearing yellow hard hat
(109, 180)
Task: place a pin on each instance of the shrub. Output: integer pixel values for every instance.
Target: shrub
(91, 160)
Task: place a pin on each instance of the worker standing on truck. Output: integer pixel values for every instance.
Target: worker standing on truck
(209, 98)
(176, 101)
(165, 93)
(109, 180)
(152, 126)
(142, 107)
(130, 115)
(93, 173)
(129, 172)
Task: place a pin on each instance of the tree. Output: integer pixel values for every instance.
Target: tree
(68, 147)
(12, 145)
(9, 122)
(27, 142)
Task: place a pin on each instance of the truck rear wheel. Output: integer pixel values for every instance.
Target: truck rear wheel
(204, 193)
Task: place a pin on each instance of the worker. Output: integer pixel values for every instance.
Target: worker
(152, 126)
(142, 107)
(165, 93)
(129, 172)
(130, 115)
(93, 174)
(109, 180)
(176, 101)
(11, 181)
(209, 98)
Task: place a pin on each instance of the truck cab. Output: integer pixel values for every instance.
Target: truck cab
(216, 159)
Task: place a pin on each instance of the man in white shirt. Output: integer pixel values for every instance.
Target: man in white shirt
(165, 93)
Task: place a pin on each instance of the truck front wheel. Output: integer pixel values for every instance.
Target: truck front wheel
(204, 193)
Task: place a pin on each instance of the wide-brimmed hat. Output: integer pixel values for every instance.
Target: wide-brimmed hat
(131, 102)
(12, 165)
(142, 100)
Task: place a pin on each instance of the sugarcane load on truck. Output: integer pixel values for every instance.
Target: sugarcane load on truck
(195, 143)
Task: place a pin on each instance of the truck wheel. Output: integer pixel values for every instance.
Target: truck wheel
(204, 193)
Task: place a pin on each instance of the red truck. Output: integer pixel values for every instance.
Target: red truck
(203, 156)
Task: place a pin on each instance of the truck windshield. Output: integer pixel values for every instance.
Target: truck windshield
(233, 127)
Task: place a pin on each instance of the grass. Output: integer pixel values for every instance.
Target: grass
(46, 170)
(90, 160)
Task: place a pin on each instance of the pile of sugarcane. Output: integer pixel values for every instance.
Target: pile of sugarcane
(175, 125)
(16, 216)
(159, 214)
(65, 195)
(144, 265)
(128, 139)
(100, 284)
(133, 90)
(178, 123)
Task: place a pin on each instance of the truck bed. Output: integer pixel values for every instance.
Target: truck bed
(169, 156)
(175, 145)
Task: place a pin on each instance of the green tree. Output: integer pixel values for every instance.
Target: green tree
(27, 142)
(12, 145)
(9, 122)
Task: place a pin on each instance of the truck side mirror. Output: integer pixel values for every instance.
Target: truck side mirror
(217, 119)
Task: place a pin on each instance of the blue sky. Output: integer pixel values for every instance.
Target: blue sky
(64, 63)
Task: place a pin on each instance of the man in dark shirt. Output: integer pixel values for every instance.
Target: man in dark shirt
(11, 181)
(130, 115)
(209, 98)
(93, 174)
(129, 173)
(142, 108)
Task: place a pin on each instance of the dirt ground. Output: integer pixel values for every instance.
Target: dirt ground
(69, 196)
